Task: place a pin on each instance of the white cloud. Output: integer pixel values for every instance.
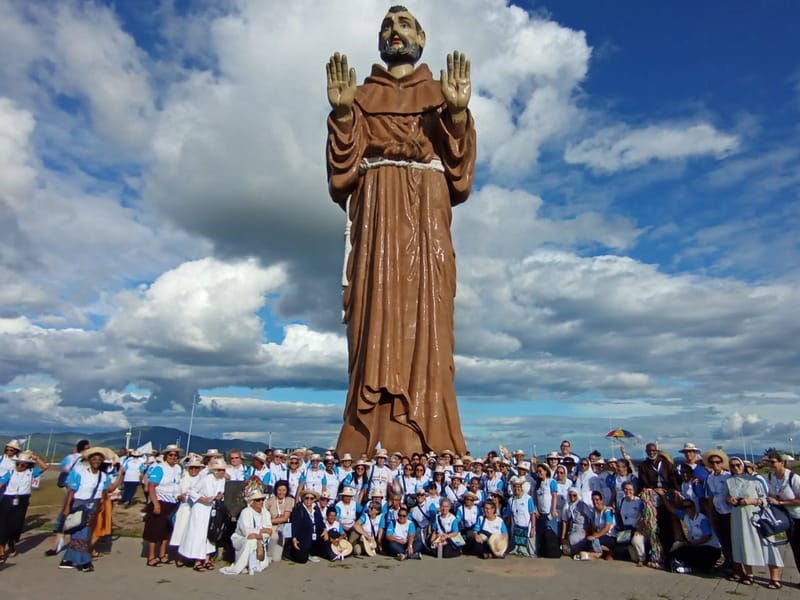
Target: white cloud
(737, 425)
(623, 148)
(193, 309)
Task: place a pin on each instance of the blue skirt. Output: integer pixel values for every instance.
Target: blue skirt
(78, 551)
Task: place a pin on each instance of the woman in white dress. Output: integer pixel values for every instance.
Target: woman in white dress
(746, 493)
(191, 477)
(195, 545)
(253, 531)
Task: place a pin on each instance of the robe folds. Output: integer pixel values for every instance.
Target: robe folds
(401, 271)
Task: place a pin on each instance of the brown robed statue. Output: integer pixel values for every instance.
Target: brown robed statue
(400, 154)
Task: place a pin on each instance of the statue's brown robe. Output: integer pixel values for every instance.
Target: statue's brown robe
(401, 270)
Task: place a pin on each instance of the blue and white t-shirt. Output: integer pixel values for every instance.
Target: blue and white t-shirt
(346, 513)
(468, 516)
(19, 483)
(521, 510)
(717, 490)
(445, 524)
(167, 480)
(83, 482)
(606, 515)
(698, 528)
(488, 527)
(544, 495)
(402, 530)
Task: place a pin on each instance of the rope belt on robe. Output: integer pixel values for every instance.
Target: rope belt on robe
(374, 162)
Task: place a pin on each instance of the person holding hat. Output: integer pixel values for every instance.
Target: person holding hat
(249, 540)
(280, 506)
(308, 525)
(195, 545)
(347, 511)
(467, 515)
(491, 533)
(16, 487)
(702, 549)
(190, 478)
(163, 489)
(335, 537)
(87, 483)
(7, 464)
(715, 493)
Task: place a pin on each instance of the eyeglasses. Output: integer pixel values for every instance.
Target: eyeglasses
(737, 465)
(236, 458)
(258, 500)
(715, 462)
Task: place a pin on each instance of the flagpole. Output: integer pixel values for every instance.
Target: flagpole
(191, 424)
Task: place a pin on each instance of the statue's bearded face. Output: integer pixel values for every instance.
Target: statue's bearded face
(399, 42)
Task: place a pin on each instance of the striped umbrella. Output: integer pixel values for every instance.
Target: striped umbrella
(620, 434)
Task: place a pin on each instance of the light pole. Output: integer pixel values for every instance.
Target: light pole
(269, 439)
(128, 439)
(191, 423)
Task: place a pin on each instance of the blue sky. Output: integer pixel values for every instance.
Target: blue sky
(628, 256)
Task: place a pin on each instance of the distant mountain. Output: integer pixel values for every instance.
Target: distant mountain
(61, 444)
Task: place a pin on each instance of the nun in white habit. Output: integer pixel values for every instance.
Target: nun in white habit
(191, 477)
(194, 544)
(253, 530)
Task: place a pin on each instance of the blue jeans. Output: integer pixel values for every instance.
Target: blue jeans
(393, 548)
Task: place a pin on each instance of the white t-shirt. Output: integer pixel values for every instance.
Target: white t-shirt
(236, 473)
(698, 527)
(630, 511)
(379, 478)
(346, 513)
(521, 510)
(716, 488)
(132, 466)
(19, 483)
(496, 525)
(167, 480)
(85, 483)
(783, 489)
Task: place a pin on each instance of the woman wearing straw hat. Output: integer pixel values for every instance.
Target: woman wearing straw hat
(716, 492)
(163, 489)
(195, 545)
(16, 487)
(7, 461)
(253, 531)
(87, 483)
(307, 526)
(280, 506)
(190, 478)
(337, 545)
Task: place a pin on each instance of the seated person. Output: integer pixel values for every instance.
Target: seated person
(702, 549)
(601, 540)
(368, 527)
(401, 539)
(445, 535)
(488, 525)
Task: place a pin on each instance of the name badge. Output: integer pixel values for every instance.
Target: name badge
(15, 501)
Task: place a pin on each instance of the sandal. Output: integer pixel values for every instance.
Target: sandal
(153, 562)
(179, 563)
(3, 559)
(199, 567)
(208, 565)
(164, 560)
(747, 580)
(735, 577)
(774, 584)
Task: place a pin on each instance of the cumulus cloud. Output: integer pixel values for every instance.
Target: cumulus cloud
(737, 425)
(622, 147)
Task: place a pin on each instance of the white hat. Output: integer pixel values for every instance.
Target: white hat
(25, 457)
(346, 456)
(348, 491)
(457, 475)
(599, 461)
(254, 496)
(316, 457)
(498, 544)
(517, 481)
(518, 452)
(13, 444)
(553, 455)
(376, 491)
(325, 494)
(308, 491)
(439, 470)
(689, 446)
(260, 456)
(342, 546)
(194, 462)
(171, 448)
(212, 452)
(104, 452)
(447, 451)
(381, 453)
(217, 464)
(458, 463)
(279, 453)
(524, 465)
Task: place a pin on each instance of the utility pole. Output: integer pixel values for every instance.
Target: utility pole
(191, 423)
(269, 439)
(128, 439)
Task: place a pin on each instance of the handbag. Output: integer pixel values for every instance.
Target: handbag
(78, 518)
(62, 477)
(218, 522)
(519, 535)
(624, 536)
(772, 521)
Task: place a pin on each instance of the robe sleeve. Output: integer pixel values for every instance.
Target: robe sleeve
(456, 148)
(345, 147)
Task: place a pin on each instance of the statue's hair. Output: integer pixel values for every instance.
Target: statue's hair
(400, 8)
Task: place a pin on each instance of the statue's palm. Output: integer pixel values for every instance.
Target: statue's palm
(341, 83)
(456, 82)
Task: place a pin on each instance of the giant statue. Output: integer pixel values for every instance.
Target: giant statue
(400, 155)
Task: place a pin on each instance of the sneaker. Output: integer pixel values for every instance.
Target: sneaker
(416, 556)
(683, 570)
(401, 556)
(88, 568)
(51, 552)
(66, 564)
(314, 559)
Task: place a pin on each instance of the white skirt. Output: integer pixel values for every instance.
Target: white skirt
(194, 543)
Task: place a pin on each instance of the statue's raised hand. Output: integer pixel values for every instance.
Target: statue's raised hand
(341, 85)
(456, 84)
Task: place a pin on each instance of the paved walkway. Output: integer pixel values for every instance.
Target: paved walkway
(123, 575)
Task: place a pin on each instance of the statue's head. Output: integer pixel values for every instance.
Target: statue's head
(401, 38)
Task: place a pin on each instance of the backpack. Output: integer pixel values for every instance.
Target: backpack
(62, 477)
(218, 522)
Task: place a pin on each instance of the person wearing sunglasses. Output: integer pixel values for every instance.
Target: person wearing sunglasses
(308, 524)
(701, 550)
(163, 489)
(715, 492)
(784, 492)
(746, 494)
(294, 475)
(253, 531)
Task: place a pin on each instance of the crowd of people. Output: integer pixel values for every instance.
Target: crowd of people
(709, 512)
